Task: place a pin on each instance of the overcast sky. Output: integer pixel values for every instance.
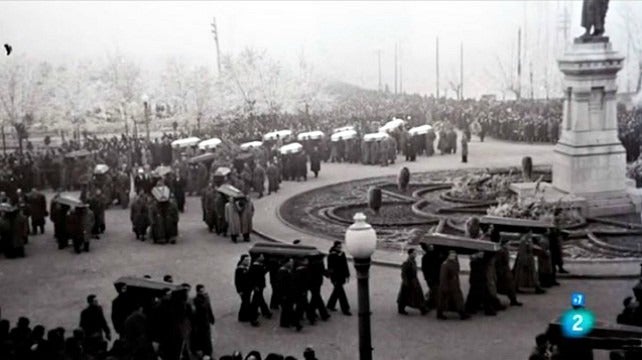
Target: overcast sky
(339, 38)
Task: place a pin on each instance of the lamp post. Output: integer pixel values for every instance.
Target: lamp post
(361, 241)
(145, 99)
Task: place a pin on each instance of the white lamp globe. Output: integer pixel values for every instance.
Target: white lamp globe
(145, 98)
(361, 239)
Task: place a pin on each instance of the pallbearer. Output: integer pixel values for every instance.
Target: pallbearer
(139, 215)
(14, 230)
(164, 216)
(79, 226)
(38, 210)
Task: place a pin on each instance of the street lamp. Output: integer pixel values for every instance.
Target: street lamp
(145, 99)
(361, 241)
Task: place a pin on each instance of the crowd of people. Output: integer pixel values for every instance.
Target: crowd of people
(170, 325)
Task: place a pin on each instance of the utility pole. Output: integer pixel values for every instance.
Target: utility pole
(519, 63)
(396, 68)
(379, 62)
(400, 73)
(437, 64)
(218, 50)
(531, 79)
(461, 70)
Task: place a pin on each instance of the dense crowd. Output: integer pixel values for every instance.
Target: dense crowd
(173, 325)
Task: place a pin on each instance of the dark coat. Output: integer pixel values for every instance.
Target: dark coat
(164, 221)
(92, 321)
(315, 161)
(338, 270)
(37, 207)
(450, 295)
(139, 215)
(410, 292)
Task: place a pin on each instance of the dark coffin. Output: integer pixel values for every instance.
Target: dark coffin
(202, 158)
(461, 244)
(505, 224)
(143, 290)
(284, 251)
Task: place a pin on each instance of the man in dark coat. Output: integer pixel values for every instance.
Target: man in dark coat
(273, 177)
(121, 307)
(14, 231)
(97, 207)
(164, 221)
(219, 205)
(79, 225)
(38, 210)
(555, 243)
(139, 215)
(315, 161)
(288, 293)
(208, 204)
(430, 267)
(93, 323)
(203, 320)
(339, 274)
(505, 279)
(243, 284)
(300, 286)
(137, 336)
(258, 180)
(450, 295)
(257, 277)
(58, 216)
(410, 292)
(177, 186)
(316, 271)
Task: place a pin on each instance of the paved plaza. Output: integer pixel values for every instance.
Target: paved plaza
(50, 285)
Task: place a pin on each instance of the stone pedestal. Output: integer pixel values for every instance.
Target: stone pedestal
(589, 160)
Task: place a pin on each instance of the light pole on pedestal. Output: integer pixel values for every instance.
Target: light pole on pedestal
(361, 242)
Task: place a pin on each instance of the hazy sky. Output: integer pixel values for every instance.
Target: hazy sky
(339, 38)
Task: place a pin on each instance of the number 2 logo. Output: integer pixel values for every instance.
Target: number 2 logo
(578, 320)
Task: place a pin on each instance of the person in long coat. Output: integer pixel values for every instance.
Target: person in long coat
(177, 187)
(58, 216)
(246, 214)
(139, 215)
(80, 225)
(410, 292)
(430, 142)
(544, 264)
(14, 231)
(339, 273)
(524, 268)
(164, 222)
(464, 149)
(384, 146)
(505, 279)
(258, 177)
(38, 211)
(202, 322)
(97, 206)
(246, 177)
(243, 284)
(273, 178)
(315, 161)
(431, 266)
(209, 207)
(233, 218)
(219, 209)
(450, 295)
(201, 177)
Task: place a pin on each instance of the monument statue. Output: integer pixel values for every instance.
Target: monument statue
(593, 15)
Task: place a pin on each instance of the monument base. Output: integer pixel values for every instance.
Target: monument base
(589, 204)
